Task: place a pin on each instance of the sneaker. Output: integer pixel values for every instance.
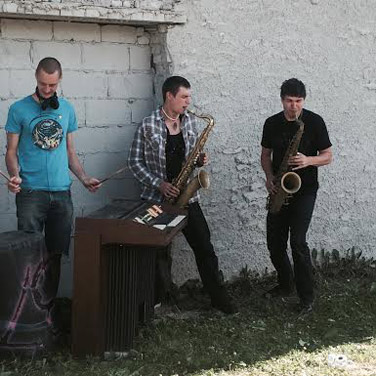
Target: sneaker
(278, 291)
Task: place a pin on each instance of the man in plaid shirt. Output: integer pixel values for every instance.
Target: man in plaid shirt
(160, 147)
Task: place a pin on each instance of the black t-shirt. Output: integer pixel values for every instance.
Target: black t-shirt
(175, 154)
(277, 134)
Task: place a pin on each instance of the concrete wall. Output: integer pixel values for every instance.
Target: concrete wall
(107, 75)
(236, 55)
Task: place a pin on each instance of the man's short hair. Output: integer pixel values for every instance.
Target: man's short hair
(50, 65)
(293, 88)
(173, 84)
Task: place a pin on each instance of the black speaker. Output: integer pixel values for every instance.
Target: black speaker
(25, 319)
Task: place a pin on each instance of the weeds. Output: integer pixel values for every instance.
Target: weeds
(267, 337)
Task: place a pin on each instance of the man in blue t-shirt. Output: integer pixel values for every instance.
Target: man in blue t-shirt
(40, 153)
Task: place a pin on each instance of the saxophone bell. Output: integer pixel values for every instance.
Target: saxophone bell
(201, 180)
(291, 182)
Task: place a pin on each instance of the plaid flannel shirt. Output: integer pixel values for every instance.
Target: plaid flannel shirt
(147, 157)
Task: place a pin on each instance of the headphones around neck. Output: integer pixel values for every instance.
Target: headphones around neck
(52, 101)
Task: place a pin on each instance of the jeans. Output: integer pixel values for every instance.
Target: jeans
(51, 212)
(197, 234)
(294, 219)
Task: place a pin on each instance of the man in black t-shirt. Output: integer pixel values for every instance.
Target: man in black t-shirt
(314, 151)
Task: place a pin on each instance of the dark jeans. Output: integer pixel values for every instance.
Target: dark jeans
(198, 237)
(51, 212)
(197, 234)
(294, 218)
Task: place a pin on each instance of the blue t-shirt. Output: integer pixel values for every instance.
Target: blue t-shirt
(42, 148)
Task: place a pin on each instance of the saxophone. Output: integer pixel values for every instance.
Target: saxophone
(287, 182)
(202, 178)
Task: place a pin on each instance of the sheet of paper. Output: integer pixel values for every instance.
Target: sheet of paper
(160, 227)
(176, 221)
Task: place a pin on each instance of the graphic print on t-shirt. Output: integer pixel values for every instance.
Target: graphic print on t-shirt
(47, 134)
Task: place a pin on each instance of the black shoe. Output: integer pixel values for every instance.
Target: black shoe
(278, 291)
(305, 308)
(226, 307)
(222, 302)
(55, 340)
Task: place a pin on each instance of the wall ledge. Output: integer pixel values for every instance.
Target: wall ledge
(128, 12)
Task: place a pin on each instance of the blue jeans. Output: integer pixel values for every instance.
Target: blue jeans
(51, 212)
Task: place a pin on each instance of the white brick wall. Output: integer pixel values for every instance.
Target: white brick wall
(4, 197)
(108, 79)
(81, 84)
(4, 106)
(107, 112)
(79, 106)
(140, 109)
(102, 163)
(68, 53)
(14, 54)
(38, 30)
(4, 86)
(21, 83)
(131, 86)
(114, 139)
(120, 34)
(140, 58)
(105, 56)
(67, 31)
(9, 221)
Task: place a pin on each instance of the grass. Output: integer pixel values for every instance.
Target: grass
(266, 337)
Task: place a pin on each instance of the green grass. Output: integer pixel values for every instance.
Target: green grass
(267, 337)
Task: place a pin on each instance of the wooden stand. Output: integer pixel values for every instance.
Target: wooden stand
(114, 271)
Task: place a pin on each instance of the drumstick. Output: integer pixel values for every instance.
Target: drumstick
(4, 175)
(112, 175)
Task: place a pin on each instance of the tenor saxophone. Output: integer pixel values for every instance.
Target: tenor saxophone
(202, 178)
(287, 181)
